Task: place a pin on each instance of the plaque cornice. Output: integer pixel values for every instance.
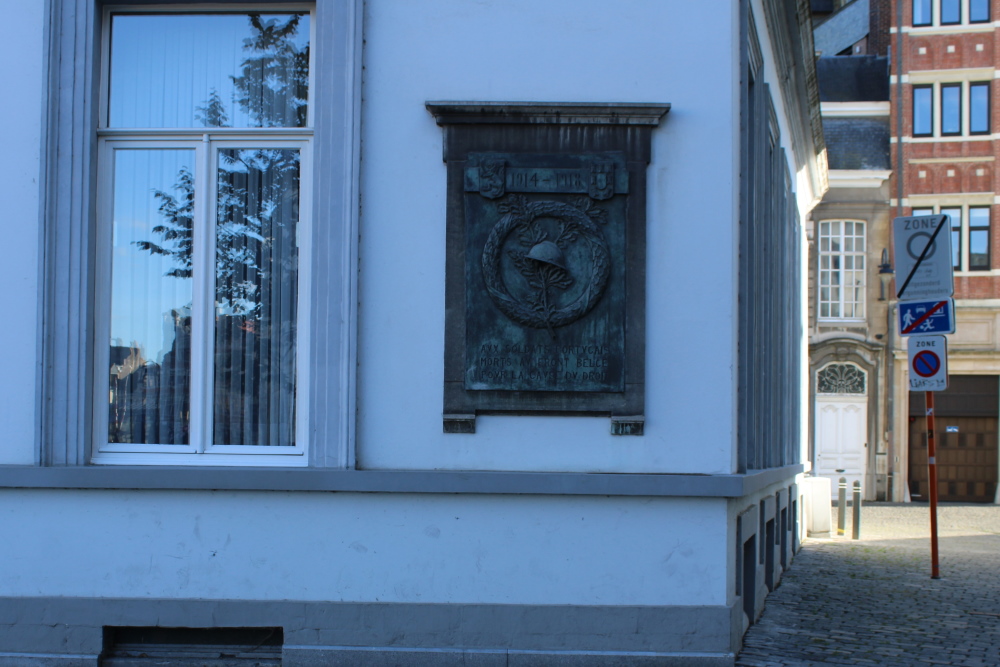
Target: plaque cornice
(548, 113)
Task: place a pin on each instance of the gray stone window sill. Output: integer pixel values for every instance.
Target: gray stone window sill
(391, 481)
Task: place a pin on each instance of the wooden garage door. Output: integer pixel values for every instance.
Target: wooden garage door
(966, 460)
(966, 435)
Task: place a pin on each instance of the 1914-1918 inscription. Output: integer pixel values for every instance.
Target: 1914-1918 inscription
(545, 280)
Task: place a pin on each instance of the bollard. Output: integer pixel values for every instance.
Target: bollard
(856, 531)
(841, 506)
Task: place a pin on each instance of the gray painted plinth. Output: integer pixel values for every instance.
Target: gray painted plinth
(42, 660)
(64, 630)
(345, 656)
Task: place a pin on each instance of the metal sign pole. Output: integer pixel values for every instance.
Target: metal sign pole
(932, 482)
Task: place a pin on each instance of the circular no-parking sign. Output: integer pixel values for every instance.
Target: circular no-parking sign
(926, 363)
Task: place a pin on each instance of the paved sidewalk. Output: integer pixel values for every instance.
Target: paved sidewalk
(872, 601)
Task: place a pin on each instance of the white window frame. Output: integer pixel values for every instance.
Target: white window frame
(201, 451)
(206, 144)
(68, 340)
(861, 305)
(963, 233)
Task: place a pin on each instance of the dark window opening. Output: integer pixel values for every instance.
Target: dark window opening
(749, 577)
(124, 646)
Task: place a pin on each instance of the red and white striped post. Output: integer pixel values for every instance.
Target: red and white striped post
(932, 481)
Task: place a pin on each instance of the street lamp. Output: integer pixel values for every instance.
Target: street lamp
(884, 274)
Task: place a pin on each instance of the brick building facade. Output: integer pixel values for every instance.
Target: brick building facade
(944, 147)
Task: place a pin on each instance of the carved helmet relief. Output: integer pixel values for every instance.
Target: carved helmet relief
(546, 263)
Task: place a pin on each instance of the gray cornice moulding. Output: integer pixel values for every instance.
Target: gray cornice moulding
(392, 481)
(548, 113)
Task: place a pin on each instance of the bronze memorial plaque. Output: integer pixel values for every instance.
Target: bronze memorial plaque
(545, 274)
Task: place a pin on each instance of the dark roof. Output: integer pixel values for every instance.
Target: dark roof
(853, 78)
(848, 26)
(857, 143)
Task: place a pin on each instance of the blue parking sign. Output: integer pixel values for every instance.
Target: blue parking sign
(924, 318)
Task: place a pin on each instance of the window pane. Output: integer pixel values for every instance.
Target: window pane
(950, 11)
(921, 12)
(152, 227)
(979, 250)
(951, 109)
(256, 297)
(923, 211)
(979, 11)
(979, 107)
(979, 217)
(922, 122)
(209, 70)
(979, 239)
(955, 221)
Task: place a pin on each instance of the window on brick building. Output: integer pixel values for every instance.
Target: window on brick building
(841, 270)
(979, 238)
(979, 11)
(955, 220)
(923, 114)
(979, 108)
(951, 12)
(970, 235)
(951, 108)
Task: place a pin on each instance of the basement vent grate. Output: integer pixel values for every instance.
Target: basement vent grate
(192, 647)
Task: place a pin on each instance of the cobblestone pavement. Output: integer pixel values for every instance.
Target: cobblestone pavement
(872, 601)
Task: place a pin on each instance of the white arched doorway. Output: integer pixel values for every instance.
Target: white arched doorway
(841, 420)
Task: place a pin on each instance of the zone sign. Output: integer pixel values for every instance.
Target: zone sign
(922, 247)
(928, 363)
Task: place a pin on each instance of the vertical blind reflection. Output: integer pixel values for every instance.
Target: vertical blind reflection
(256, 294)
(209, 70)
(151, 293)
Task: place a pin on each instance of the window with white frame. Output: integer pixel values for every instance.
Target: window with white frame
(951, 109)
(203, 206)
(841, 270)
(949, 12)
(970, 234)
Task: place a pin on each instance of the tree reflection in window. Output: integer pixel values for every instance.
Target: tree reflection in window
(256, 257)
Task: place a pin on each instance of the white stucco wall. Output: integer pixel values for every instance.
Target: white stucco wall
(522, 50)
(364, 547)
(20, 136)
(500, 549)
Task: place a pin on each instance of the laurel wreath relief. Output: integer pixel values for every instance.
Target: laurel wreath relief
(542, 263)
